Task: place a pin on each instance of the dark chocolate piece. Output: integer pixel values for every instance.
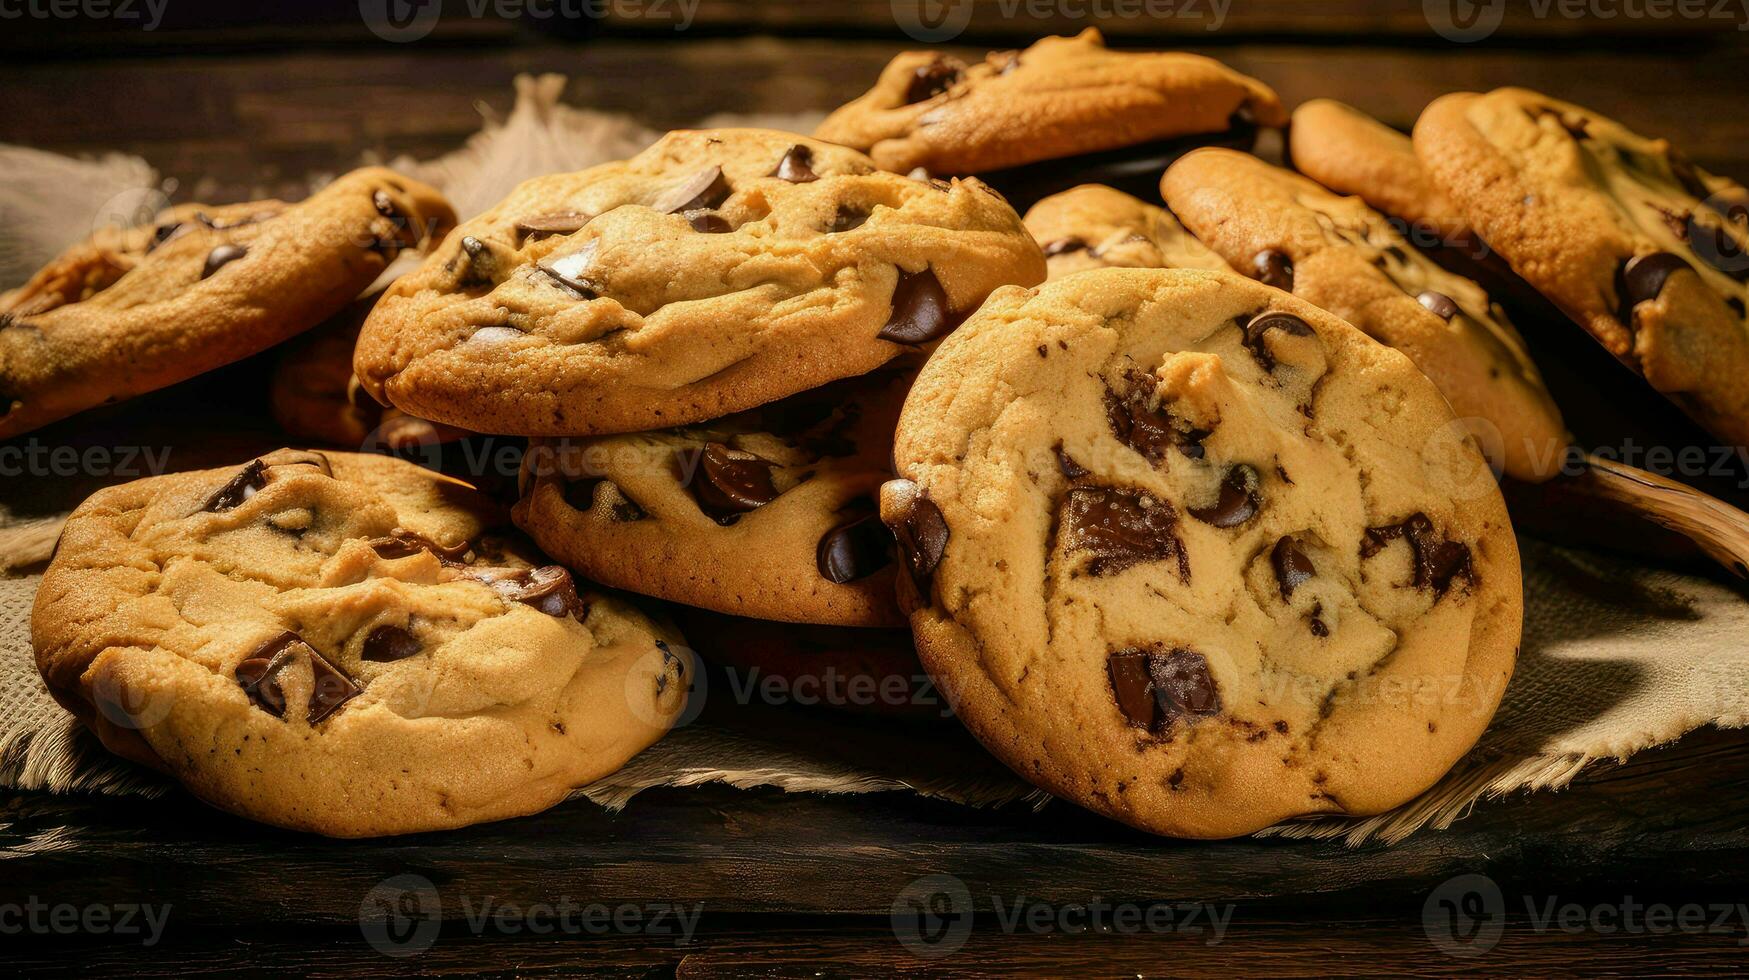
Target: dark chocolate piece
(920, 312)
(922, 535)
(797, 166)
(854, 550)
(1120, 528)
(241, 487)
(221, 256)
(1437, 561)
(1238, 501)
(1292, 567)
(1155, 687)
(1256, 333)
(729, 483)
(387, 644)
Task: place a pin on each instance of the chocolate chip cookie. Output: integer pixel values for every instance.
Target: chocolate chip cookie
(1062, 97)
(1624, 234)
(1179, 548)
(315, 397)
(712, 273)
(130, 312)
(1339, 254)
(344, 644)
(1350, 152)
(768, 514)
(1097, 227)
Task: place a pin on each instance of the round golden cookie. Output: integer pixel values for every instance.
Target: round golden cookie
(1646, 251)
(341, 644)
(1339, 254)
(130, 312)
(769, 514)
(716, 271)
(1197, 555)
(1061, 97)
(1097, 227)
(1352, 153)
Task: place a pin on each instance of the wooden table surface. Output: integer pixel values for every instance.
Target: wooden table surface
(806, 885)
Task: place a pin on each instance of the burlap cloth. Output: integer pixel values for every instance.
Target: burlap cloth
(1616, 657)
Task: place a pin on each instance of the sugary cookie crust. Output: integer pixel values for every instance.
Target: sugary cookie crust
(1097, 227)
(1350, 152)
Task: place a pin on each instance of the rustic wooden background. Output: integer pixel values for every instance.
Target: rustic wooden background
(255, 99)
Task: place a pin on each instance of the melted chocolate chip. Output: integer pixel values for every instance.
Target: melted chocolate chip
(1292, 567)
(1238, 501)
(797, 166)
(1119, 529)
(1142, 424)
(922, 535)
(730, 483)
(1643, 277)
(1272, 267)
(1256, 331)
(1062, 245)
(402, 543)
(1070, 468)
(551, 590)
(387, 644)
(920, 312)
(241, 487)
(260, 674)
(1155, 687)
(931, 80)
(854, 550)
(1439, 304)
(556, 223)
(221, 256)
(704, 191)
(1437, 561)
(708, 222)
(847, 218)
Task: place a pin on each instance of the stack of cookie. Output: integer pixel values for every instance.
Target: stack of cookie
(1202, 533)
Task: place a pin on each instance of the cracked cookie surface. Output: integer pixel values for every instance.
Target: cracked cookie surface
(1340, 255)
(1098, 227)
(1636, 244)
(714, 272)
(128, 312)
(1060, 97)
(344, 644)
(768, 514)
(1185, 550)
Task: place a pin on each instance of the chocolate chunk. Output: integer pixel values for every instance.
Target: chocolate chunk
(847, 218)
(797, 166)
(1070, 468)
(1256, 331)
(1155, 687)
(221, 256)
(931, 80)
(1238, 501)
(241, 487)
(1120, 528)
(387, 644)
(708, 222)
(1439, 304)
(854, 550)
(556, 223)
(549, 589)
(1140, 422)
(1063, 245)
(920, 312)
(401, 543)
(164, 233)
(1643, 278)
(1292, 567)
(1437, 561)
(922, 535)
(1272, 267)
(260, 673)
(705, 190)
(729, 483)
